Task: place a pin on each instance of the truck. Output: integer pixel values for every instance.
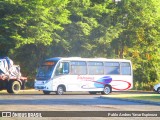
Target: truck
(10, 76)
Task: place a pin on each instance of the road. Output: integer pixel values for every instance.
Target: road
(36, 101)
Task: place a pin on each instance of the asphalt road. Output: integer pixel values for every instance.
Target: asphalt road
(36, 101)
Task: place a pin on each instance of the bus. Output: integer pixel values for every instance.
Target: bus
(94, 75)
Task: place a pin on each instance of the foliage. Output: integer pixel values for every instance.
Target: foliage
(33, 30)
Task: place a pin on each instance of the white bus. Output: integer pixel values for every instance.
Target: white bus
(84, 74)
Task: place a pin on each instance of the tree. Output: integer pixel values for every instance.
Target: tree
(28, 26)
(86, 33)
(32, 30)
(139, 40)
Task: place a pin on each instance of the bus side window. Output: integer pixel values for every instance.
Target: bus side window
(78, 68)
(95, 68)
(112, 68)
(62, 68)
(125, 68)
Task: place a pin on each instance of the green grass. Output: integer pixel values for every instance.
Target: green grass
(145, 97)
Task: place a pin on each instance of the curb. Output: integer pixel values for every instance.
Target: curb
(132, 100)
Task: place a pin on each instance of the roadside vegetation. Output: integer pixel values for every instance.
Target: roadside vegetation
(145, 97)
(33, 30)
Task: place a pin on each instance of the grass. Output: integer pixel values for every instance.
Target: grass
(145, 97)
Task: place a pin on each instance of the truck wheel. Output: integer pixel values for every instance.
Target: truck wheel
(14, 87)
(60, 90)
(158, 90)
(46, 92)
(107, 89)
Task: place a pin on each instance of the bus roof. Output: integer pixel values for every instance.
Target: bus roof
(85, 59)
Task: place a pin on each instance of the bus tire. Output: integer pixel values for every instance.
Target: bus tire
(107, 89)
(60, 90)
(13, 87)
(158, 90)
(92, 92)
(46, 92)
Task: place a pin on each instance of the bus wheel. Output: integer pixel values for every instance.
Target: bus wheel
(107, 89)
(92, 93)
(60, 90)
(13, 87)
(46, 92)
(158, 90)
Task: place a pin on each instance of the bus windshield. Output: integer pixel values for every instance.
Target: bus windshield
(46, 70)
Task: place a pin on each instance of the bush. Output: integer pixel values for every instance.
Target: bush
(145, 86)
(30, 85)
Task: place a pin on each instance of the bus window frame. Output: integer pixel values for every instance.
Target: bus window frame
(63, 73)
(102, 65)
(127, 66)
(86, 69)
(105, 66)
